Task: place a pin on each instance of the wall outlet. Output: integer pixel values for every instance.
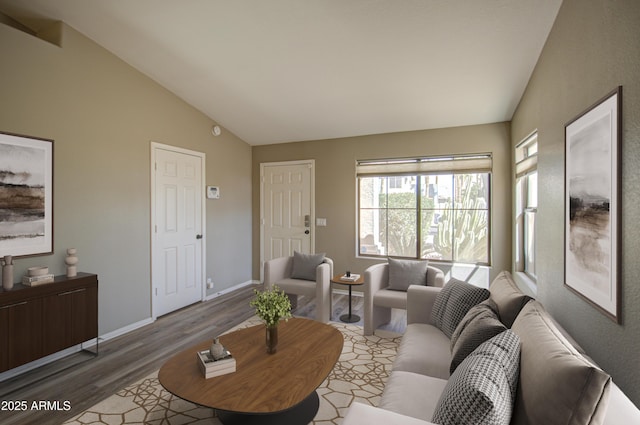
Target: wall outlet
(209, 283)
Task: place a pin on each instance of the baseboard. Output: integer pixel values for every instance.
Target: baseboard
(125, 329)
(231, 289)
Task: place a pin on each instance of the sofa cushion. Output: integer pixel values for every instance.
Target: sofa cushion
(508, 297)
(482, 389)
(412, 394)
(304, 265)
(364, 414)
(480, 324)
(557, 384)
(403, 273)
(424, 349)
(453, 302)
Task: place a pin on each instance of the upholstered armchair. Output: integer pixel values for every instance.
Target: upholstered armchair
(381, 294)
(302, 274)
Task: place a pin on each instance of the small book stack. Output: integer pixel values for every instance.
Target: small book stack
(351, 278)
(211, 367)
(37, 276)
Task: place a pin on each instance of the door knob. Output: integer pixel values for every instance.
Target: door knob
(306, 232)
(198, 236)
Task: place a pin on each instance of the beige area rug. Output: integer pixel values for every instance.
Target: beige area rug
(359, 375)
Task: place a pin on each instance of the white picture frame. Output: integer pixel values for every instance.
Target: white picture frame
(592, 204)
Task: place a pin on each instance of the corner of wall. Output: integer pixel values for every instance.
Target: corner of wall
(52, 33)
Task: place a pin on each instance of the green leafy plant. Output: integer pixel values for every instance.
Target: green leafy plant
(271, 305)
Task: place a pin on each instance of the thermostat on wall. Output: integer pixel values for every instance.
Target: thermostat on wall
(213, 192)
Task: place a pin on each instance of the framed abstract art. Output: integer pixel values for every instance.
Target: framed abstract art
(592, 204)
(26, 195)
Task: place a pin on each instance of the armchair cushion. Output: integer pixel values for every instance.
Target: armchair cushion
(304, 265)
(483, 387)
(453, 302)
(480, 324)
(403, 273)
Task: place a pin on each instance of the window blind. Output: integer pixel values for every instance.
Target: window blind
(477, 163)
(526, 165)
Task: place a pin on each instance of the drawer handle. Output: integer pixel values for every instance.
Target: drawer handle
(12, 305)
(72, 292)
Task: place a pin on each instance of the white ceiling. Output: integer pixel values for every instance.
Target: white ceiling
(274, 71)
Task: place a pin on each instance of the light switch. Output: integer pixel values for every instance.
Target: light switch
(321, 222)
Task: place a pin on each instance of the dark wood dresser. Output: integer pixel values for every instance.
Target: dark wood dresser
(42, 320)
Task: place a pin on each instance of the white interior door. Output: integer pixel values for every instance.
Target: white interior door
(177, 249)
(286, 206)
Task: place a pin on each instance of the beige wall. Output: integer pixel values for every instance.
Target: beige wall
(103, 115)
(336, 185)
(594, 47)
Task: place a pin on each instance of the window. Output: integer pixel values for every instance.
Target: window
(434, 208)
(526, 165)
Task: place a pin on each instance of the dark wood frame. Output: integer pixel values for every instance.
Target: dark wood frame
(45, 247)
(580, 132)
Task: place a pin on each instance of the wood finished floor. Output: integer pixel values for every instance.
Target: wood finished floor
(84, 380)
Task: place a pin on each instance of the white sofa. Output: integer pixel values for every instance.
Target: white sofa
(279, 271)
(379, 299)
(557, 382)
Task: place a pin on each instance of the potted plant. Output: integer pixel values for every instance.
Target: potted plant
(271, 306)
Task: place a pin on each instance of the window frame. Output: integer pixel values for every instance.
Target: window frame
(526, 165)
(476, 164)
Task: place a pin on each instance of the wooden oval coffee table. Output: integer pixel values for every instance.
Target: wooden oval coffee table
(266, 388)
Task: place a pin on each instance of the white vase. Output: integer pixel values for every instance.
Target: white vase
(7, 272)
(71, 260)
(7, 277)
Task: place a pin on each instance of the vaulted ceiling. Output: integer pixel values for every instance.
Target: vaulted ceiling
(274, 71)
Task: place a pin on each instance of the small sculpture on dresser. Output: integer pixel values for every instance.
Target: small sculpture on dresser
(71, 260)
(7, 272)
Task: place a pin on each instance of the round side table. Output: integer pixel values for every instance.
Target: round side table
(348, 318)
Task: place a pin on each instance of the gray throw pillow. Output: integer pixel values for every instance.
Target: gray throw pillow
(508, 297)
(480, 324)
(482, 389)
(403, 273)
(453, 302)
(304, 265)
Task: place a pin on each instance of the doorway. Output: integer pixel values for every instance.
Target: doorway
(287, 210)
(177, 228)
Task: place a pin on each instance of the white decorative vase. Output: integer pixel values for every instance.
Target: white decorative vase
(7, 273)
(71, 260)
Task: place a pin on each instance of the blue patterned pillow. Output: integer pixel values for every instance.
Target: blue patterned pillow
(482, 389)
(453, 302)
